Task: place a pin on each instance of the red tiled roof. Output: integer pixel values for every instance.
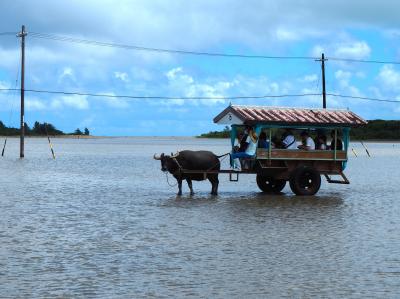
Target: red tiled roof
(295, 116)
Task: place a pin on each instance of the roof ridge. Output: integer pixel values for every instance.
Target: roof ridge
(289, 108)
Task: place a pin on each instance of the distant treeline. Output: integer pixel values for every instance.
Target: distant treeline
(377, 130)
(38, 129)
(225, 133)
(374, 130)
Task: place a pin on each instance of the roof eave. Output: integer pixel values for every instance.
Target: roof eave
(227, 110)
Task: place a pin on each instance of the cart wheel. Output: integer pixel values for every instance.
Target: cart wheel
(305, 180)
(270, 185)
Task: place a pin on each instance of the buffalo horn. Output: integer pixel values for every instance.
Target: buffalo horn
(155, 157)
(176, 155)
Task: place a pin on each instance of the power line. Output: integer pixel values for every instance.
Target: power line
(185, 52)
(199, 97)
(162, 97)
(160, 50)
(8, 33)
(363, 61)
(362, 98)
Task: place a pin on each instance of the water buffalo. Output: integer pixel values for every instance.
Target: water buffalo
(191, 160)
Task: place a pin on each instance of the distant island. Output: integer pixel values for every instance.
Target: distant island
(375, 130)
(225, 133)
(39, 129)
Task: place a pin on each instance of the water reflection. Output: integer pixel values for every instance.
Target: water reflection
(101, 221)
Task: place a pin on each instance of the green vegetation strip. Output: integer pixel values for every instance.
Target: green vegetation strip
(38, 129)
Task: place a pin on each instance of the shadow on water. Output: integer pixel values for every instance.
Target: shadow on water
(187, 200)
(255, 199)
(256, 202)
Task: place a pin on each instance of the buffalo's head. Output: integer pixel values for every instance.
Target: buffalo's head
(168, 163)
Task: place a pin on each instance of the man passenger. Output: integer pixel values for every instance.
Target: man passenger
(307, 142)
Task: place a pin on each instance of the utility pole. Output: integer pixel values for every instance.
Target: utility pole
(22, 35)
(323, 81)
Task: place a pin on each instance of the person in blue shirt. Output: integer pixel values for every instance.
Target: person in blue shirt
(262, 141)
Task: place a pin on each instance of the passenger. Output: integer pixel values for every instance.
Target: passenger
(262, 141)
(321, 143)
(338, 143)
(320, 140)
(250, 151)
(288, 140)
(276, 142)
(307, 142)
(243, 141)
(238, 141)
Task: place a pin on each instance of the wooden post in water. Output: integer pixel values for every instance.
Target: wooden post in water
(22, 35)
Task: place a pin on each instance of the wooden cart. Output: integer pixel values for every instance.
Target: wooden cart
(301, 168)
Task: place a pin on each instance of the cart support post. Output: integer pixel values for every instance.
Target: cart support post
(270, 144)
(323, 81)
(334, 158)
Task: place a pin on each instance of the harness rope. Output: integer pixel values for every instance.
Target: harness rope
(171, 185)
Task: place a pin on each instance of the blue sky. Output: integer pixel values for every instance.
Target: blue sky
(281, 28)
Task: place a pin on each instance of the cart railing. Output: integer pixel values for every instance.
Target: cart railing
(287, 154)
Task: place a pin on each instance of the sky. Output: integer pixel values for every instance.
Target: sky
(364, 30)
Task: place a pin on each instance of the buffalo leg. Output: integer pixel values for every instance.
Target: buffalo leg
(214, 184)
(179, 186)
(189, 182)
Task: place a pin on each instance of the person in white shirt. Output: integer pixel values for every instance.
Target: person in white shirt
(308, 143)
(289, 142)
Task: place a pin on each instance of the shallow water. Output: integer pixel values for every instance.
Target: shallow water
(101, 221)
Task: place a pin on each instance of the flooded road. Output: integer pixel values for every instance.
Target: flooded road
(101, 221)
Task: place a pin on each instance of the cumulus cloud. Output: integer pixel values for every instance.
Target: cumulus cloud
(35, 104)
(67, 73)
(355, 50)
(9, 58)
(148, 21)
(257, 27)
(4, 85)
(345, 49)
(344, 79)
(88, 122)
(114, 102)
(180, 82)
(121, 76)
(79, 102)
(309, 78)
(389, 78)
